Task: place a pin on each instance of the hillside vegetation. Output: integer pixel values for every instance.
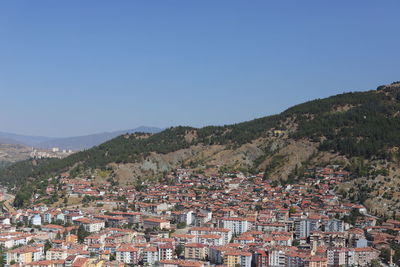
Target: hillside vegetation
(360, 124)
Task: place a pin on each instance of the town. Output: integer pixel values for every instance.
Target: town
(199, 133)
(188, 219)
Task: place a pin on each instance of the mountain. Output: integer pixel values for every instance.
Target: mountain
(73, 143)
(88, 141)
(18, 139)
(358, 130)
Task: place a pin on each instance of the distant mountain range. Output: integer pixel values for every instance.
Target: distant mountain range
(74, 142)
(18, 139)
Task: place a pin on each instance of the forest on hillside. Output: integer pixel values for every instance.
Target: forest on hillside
(363, 124)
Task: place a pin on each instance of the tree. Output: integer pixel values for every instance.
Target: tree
(82, 234)
(2, 257)
(181, 225)
(292, 210)
(112, 257)
(295, 243)
(86, 199)
(47, 246)
(374, 263)
(385, 255)
(179, 250)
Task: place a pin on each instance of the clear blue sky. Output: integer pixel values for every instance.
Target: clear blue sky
(79, 67)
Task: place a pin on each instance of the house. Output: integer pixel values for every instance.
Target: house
(133, 217)
(210, 240)
(112, 221)
(36, 219)
(90, 225)
(71, 217)
(6, 242)
(184, 238)
(156, 223)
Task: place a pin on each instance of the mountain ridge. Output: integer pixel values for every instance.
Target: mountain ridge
(21, 139)
(74, 142)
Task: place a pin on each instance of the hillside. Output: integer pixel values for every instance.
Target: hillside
(11, 153)
(358, 130)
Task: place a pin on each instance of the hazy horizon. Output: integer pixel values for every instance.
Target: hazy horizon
(79, 68)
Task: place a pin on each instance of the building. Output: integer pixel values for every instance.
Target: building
(226, 234)
(261, 258)
(361, 256)
(333, 225)
(185, 217)
(304, 227)
(272, 227)
(195, 251)
(36, 220)
(277, 258)
(127, 254)
(236, 225)
(336, 257)
(56, 254)
(295, 259)
(132, 217)
(235, 258)
(156, 223)
(165, 251)
(150, 255)
(316, 261)
(89, 225)
(21, 255)
(210, 240)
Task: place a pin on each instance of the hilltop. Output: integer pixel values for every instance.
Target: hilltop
(358, 130)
